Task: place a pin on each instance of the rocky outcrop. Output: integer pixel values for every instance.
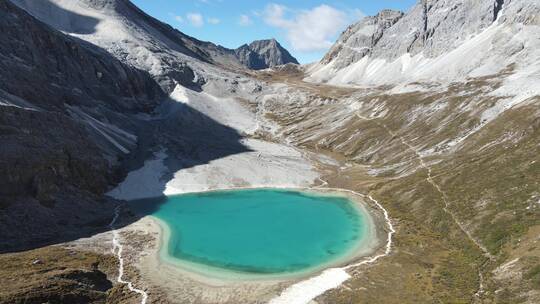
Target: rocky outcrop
(75, 119)
(431, 26)
(146, 43)
(57, 275)
(435, 41)
(360, 39)
(434, 27)
(55, 166)
(263, 54)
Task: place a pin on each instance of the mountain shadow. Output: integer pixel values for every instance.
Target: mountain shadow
(61, 19)
(73, 122)
(55, 172)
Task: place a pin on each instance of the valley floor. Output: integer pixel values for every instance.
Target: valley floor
(466, 218)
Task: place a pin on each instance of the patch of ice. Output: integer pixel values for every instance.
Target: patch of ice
(305, 291)
(145, 182)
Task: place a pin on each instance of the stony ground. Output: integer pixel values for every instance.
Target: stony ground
(56, 275)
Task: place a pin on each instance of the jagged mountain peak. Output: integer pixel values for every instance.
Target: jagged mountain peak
(130, 34)
(272, 42)
(359, 39)
(463, 38)
(262, 54)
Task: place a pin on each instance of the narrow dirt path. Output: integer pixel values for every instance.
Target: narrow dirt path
(444, 198)
(437, 187)
(117, 251)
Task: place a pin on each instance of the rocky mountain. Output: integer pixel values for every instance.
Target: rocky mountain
(60, 97)
(130, 35)
(436, 41)
(145, 42)
(263, 54)
(101, 103)
(75, 119)
(359, 39)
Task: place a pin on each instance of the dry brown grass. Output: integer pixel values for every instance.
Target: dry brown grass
(489, 189)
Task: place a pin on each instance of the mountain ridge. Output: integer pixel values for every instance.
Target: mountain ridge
(437, 41)
(56, 158)
(135, 29)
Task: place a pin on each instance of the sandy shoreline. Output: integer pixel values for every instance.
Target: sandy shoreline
(366, 245)
(268, 164)
(176, 278)
(273, 162)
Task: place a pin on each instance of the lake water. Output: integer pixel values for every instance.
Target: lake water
(258, 231)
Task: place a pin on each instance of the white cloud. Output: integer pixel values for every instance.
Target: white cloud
(213, 20)
(308, 30)
(245, 20)
(179, 18)
(274, 15)
(195, 19)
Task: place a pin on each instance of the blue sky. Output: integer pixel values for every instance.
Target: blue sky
(305, 28)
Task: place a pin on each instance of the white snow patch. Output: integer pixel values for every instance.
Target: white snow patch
(180, 94)
(305, 291)
(145, 182)
(268, 165)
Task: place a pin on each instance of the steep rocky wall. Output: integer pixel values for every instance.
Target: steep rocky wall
(360, 39)
(50, 69)
(54, 166)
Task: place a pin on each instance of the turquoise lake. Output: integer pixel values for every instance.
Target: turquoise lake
(259, 231)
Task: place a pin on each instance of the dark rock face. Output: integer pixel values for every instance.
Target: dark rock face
(250, 58)
(74, 120)
(66, 70)
(263, 54)
(54, 167)
(431, 27)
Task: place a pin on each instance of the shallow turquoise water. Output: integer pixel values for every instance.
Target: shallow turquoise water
(258, 231)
